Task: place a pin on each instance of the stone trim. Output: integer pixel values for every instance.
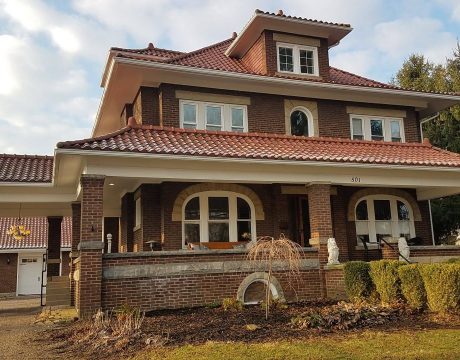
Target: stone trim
(357, 110)
(91, 245)
(197, 188)
(195, 268)
(216, 98)
(382, 191)
(297, 40)
(261, 277)
(312, 106)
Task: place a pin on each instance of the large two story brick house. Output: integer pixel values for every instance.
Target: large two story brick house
(194, 154)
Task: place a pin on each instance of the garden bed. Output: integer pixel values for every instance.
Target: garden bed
(175, 328)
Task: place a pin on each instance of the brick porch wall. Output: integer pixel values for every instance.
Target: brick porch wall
(178, 291)
(8, 273)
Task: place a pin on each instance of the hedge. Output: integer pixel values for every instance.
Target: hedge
(412, 287)
(384, 274)
(358, 283)
(442, 285)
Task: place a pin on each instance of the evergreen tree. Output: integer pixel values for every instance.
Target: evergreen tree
(418, 73)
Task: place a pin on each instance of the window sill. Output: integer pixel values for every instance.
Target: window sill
(369, 247)
(296, 75)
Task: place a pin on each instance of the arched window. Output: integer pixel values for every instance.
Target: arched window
(218, 216)
(381, 216)
(301, 121)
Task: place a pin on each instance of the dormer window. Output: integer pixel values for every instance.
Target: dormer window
(297, 59)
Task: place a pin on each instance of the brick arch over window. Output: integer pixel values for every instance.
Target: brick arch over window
(383, 191)
(193, 189)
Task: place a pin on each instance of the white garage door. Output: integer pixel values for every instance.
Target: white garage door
(29, 274)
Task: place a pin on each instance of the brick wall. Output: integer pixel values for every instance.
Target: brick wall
(335, 283)
(54, 244)
(65, 264)
(156, 292)
(255, 57)
(146, 106)
(8, 273)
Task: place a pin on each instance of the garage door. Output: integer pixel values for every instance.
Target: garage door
(29, 274)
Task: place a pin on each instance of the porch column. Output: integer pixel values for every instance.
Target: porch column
(54, 245)
(319, 205)
(76, 216)
(91, 245)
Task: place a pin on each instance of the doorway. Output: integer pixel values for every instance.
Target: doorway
(300, 220)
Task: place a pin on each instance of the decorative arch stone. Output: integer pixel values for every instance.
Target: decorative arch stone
(275, 286)
(383, 191)
(197, 188)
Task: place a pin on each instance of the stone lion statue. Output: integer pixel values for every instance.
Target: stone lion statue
(403, 248)
(333, 251)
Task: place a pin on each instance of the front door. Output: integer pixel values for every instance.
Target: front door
(29, 274)
(302, 220)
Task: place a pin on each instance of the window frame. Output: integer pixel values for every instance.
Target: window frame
(366, 127)
(311, 127)
(204, 215)
(371, 222)
(201, 115)
(296, 58)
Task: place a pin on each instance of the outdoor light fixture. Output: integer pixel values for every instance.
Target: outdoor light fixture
(111, 184)
(8, 260)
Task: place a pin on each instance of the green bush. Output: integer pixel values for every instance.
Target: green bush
(453, 261)
(412, 287)
(384, 275)
(358, 283)
(232, 304)
(442, 285)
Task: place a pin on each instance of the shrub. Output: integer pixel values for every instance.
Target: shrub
(453, 261)
(358, 283)
(384, 274)
(442, 285)
(412, 287)
(232, 304)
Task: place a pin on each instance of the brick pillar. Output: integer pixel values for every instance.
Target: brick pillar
(54, 245)
(127, 223)
(76, 223)
(319, 205)
(390, 252)
(91, 245)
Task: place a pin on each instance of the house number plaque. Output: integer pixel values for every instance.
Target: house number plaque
(355, 179)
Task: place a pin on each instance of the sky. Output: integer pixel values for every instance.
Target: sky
(52, 53)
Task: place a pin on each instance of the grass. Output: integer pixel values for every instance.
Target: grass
(417, 344)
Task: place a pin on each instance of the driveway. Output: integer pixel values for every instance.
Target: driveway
(18, 333)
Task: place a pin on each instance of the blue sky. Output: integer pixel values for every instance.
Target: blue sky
(53, 52)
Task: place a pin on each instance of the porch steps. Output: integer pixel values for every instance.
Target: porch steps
(57, 291)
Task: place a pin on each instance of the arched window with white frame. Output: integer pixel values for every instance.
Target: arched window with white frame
(218, 216)
(383, 216)
(301, 122)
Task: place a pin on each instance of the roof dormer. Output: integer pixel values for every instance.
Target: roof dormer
(287, 46)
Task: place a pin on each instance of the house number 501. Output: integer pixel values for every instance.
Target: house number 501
(355, 179)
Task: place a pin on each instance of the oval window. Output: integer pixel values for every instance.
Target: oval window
(299, 123)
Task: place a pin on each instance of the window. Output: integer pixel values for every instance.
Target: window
(213, 116)
(381, 216)
(377, 129)
(297, 59)
(218, 216)
(301, 122)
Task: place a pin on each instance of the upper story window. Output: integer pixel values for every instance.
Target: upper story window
(376, 128)
(297, 59)
(213, 116)
(301, 121)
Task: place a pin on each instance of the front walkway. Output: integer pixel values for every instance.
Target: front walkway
(19, 336)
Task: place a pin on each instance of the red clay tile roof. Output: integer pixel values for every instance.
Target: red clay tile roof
(151, 50)
(26, 168)
(171, 141)
(38, 237)
(280, 13)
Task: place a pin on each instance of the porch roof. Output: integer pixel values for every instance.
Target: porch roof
(201, 143)
(38, 237)
(26, 168)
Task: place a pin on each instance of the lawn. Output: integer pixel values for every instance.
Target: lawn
(419, 344)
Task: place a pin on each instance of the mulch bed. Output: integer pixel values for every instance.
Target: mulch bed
(199, 325)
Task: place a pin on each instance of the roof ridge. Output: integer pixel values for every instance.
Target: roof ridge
(115, 48)
(277, 136)
(199, 51)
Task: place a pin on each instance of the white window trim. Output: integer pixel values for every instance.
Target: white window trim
(311, 127)
(204, 215)
(201, 116)
(394, 216)
(138, 214)
(296, 58)
(366, 121)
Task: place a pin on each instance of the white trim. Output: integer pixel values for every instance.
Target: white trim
(203, 221)
(137, 214)
(311, 128)
(296, 58)
(386, 120)
(201, 114)
(395, 231)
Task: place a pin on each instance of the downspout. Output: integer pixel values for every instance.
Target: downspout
(429, 201)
